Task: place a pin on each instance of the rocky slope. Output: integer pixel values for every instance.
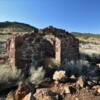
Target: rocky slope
(9, 27)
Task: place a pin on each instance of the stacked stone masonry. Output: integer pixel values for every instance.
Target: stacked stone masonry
(24, 49)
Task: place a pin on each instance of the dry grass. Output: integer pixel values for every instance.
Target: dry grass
(36, 75)
(6, 74)
(79, 67)
(82, 68)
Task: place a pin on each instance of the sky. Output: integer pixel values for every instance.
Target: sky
(71, 15)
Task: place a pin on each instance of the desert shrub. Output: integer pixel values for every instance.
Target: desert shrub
(36, 75)
(92, 58)
(7, 75)
(50, 71)
(8, 78)
(82, 68)
(51, 68)
(77, 68)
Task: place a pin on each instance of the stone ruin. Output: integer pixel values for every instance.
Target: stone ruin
(24, 50)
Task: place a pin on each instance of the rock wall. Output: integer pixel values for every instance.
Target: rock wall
(11, 51)
(58, 50)
(25, 50)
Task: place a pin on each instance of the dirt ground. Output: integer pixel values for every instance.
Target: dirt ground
(83, 95)
(48, 93)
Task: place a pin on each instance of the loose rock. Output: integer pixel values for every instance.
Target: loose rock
(67, 89)
(27, 97)
(11, 95)
(58, 75)
(98, 90)
(81, 82)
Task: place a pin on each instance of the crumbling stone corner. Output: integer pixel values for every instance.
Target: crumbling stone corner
(11, 51)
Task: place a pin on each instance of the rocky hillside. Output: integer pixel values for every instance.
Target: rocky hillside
(9, 27)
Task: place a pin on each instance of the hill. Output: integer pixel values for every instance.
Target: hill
(9, 27)
(85, 35)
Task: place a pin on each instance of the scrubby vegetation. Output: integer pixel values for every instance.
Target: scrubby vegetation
(8, 77)
(8, 27)
(36, 75)
(6, 74)
(85, 35)
(77, 68)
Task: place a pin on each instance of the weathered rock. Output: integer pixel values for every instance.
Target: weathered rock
(95, 87)
(45, 94)
(42, 94)
(66, 89)
(29, 96)
(22, 93)
(80, 82)
(98, 65)
(58, 75)
(11, 95)
(23, 89)
(98, 90)
(89, 83)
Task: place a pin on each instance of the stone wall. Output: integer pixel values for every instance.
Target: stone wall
(11, 51)
(70, 49)
(24, 49)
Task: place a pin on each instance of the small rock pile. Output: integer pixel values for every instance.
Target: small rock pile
(72, 87)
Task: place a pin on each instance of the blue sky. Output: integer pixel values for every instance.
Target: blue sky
(72, 15)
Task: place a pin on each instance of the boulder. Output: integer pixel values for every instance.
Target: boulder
(98, 90)
(24, 88)
(28, 97)
(67, 89)
(59, 75)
